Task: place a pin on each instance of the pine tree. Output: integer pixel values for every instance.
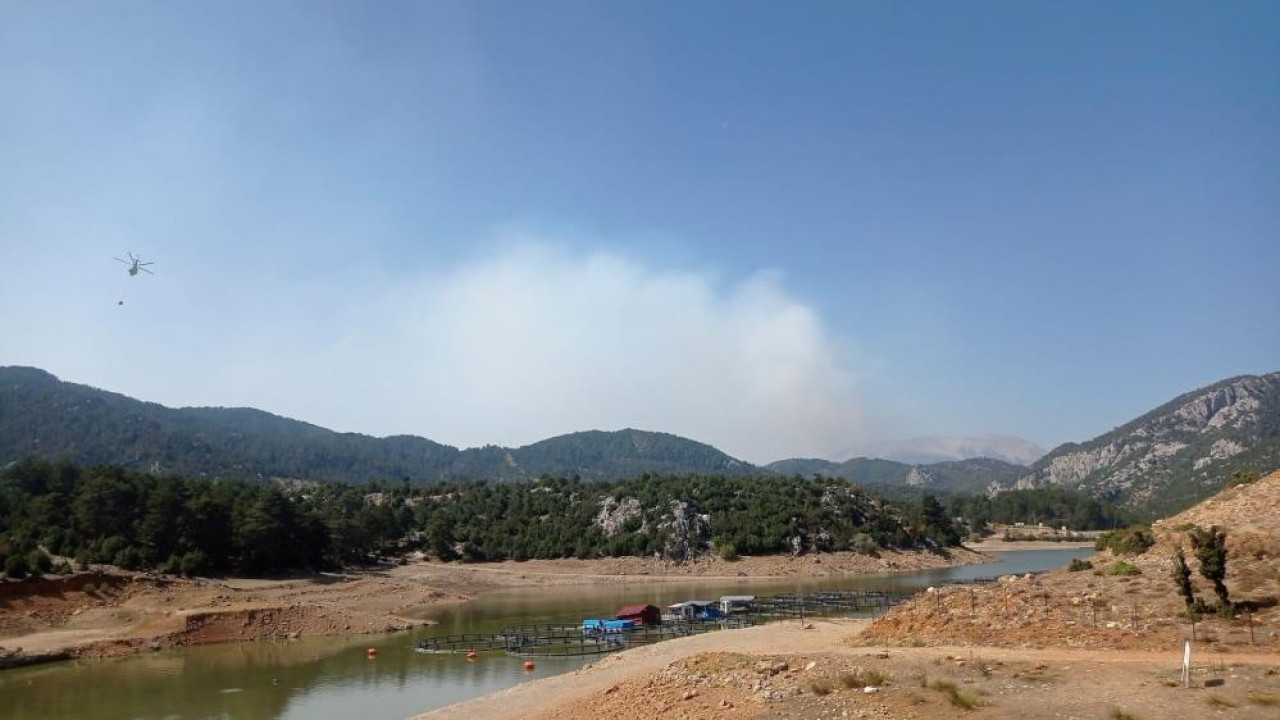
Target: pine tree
(1182, 577)
(937, 524)
(1211, 550)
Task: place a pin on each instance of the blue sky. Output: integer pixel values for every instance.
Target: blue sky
(783, 230)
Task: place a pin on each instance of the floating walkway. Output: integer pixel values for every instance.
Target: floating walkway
(571, 640)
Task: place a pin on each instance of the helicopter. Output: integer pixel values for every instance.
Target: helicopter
(135, 264)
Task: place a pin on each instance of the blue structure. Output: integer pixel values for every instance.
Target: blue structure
(604, 627)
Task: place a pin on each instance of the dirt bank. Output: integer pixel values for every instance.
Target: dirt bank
(109, 613)
(469, 579)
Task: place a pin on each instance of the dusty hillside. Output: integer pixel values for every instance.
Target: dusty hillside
(1252, 510)
(1251, 516)
(1101, 607)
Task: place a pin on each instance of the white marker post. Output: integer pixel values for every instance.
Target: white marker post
(1186, 664)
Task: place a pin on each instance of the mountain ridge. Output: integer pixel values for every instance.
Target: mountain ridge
(1165, 459)
(1175, 454)
(43, 416)
(970, 475)
(931, 449)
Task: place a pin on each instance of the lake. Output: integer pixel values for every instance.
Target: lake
(331, 678)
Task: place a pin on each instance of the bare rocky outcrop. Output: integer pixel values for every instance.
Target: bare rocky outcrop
(614, 514)
(919, 477)
(1176, 454)
(688, 532)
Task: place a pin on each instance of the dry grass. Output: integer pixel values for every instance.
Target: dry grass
(861, 678)
(1218, 702)
(1265, 700)
(1039, 674)
(821, 686)
(1119, 714)
(963, 699)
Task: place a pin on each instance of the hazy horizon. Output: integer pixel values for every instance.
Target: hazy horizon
(782, 232)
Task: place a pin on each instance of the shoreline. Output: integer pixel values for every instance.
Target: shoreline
(107, 613)
(772, 670)
(991, 545)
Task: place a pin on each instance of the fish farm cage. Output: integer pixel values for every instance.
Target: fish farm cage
(568, 640)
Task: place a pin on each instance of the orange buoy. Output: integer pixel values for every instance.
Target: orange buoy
(528, 665)
(372, 652)
(471, 654)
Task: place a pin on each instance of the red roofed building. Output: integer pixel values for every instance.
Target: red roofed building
(642, 614)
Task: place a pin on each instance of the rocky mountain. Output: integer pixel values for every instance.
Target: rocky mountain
(958, 476)
(41, 416)
(1177, 454)
(934, 449)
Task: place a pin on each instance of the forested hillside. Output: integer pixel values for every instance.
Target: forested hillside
(41, 416)
(142, 520)
(1055, 507)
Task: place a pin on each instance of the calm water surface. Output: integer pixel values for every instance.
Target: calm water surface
(331, 678)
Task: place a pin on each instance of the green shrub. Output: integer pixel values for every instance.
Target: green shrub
(1122, 567)
(129, 558)
(1129, 541)
(109, 549)
(728, 552)
(1243, 477)
(16, 567)
(193, 563)
(1077, 565)
(864, 544)
(39, 563)
(172, 566)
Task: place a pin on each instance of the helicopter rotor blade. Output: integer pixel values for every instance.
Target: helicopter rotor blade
(146, 271)
(126, 262)
(143, 264)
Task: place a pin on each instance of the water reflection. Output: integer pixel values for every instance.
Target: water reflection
(321, 678)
